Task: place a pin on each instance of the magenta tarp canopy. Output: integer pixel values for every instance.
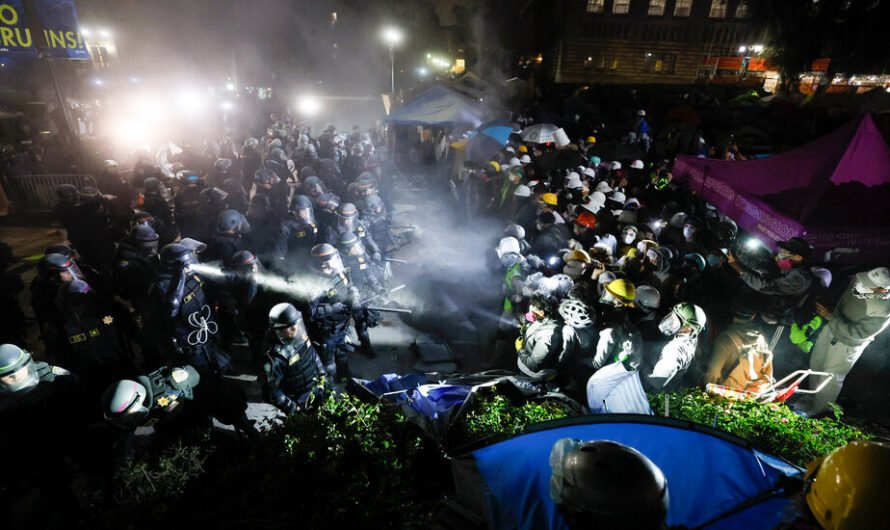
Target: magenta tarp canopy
(833, 192)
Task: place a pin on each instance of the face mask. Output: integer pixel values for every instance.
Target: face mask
(629, 238)
(573, 270)
(669, 325)
(607, 299)
(688, 233)
(509, 259)
(785, 264)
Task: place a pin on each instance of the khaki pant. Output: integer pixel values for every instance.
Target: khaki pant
(832, 356)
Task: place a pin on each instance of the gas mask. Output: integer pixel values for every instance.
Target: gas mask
(784, 263)
(628, 237)
(573, 269)
(670, 325)
(509, 259)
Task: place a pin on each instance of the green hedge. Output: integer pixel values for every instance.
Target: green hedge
(772, 427)
(347, 462)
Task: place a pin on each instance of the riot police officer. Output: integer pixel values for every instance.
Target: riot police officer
(332, 310)
(179, 398)
(302, 232)
(227, 240)
(135, 265)
(186, 202)
(348, 221)
(292, 370)
(180, 319)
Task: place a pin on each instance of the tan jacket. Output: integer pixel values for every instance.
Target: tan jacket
(741, 359)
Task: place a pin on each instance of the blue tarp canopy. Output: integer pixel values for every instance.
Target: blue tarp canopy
(708, 473)
(439, 106)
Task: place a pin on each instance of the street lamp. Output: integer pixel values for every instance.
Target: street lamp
(392, 36)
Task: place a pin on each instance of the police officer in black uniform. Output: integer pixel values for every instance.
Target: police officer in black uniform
(302, 233)
(292, 371)
(332, 310)
(227, 239)
(348, 221)
(91, 336)
(176, 400)
(180, 319)
(186, 204)
(135, 265)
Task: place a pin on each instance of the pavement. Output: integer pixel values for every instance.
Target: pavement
(392, 338)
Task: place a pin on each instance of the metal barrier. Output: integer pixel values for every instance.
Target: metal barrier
(37, 193)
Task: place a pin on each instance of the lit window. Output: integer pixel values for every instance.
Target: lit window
(718, 8)
(683, 8)
(742, 11)
(596, 6)
(656, 7)
(621, 7)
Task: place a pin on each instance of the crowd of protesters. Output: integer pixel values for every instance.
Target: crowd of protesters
(168, 267)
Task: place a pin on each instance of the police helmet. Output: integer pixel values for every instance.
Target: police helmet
(284, 316)
(222, 164)
(312, 186)
(327, 259)
(152, 186)
(126, 404)
(608, 485)
(265, 176)
(177, 254)
(229, 220)
(67, 193)
(17, 370)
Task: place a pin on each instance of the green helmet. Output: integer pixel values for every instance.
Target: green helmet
(683, 314)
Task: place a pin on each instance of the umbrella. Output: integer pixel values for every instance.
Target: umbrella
(541, 133)
(488, 140)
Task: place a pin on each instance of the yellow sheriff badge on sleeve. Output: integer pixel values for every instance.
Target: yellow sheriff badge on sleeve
(166, 400)
(108, 320)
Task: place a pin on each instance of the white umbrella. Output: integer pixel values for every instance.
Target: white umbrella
(542, 133)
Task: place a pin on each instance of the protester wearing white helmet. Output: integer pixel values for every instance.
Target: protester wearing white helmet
(861, 314)
(522, 191)
(637, 164)
(514, 162)
(589, 172)
(614, 166)
(525, 159)
(603, 187)
(595, 202)
(573, 181)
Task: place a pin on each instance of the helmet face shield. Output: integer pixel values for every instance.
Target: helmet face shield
(125, 404)
(296, 331)
(670, 325)
(345, 223)
(356, 248)
(20, 380)
(306, 215)
(331, 266)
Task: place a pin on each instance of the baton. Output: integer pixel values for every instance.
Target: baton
(394, 260)
(389, 310)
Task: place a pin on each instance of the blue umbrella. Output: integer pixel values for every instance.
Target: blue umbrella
(488, 140)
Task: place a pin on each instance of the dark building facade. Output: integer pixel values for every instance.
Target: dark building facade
(650, 41)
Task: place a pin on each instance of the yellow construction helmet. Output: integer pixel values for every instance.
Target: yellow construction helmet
(622, 289)
(495, 165)
(550, 198)
(591, 139)
(523, 149)
(847, 489)
(577, 255)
